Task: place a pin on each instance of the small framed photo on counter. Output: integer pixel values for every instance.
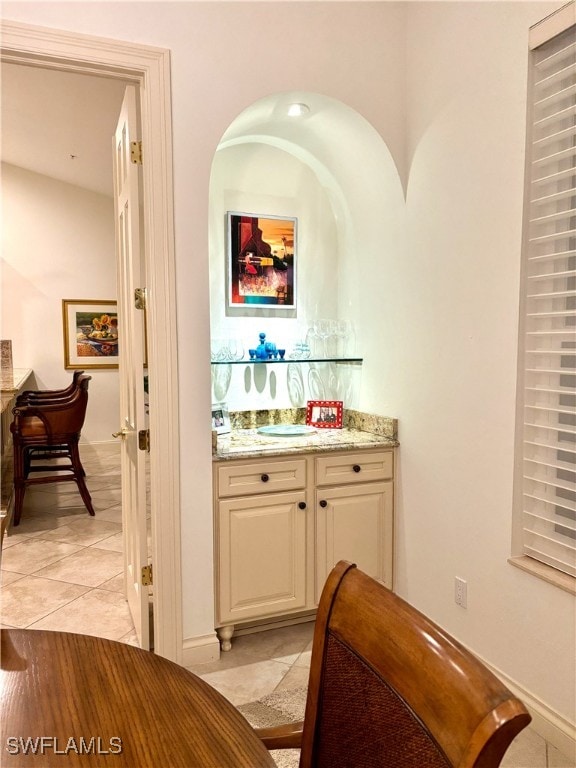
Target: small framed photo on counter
(325, 414)
(220, 418)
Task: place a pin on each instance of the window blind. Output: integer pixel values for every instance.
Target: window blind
(548, 335)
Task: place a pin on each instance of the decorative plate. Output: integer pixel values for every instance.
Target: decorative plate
(286, 430)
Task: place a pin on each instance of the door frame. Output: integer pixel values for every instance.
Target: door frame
(149, 68)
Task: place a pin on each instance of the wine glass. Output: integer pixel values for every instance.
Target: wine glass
(236, 349)
(345, 336)
(322, 330)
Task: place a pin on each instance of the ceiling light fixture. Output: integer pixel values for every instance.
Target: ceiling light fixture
(297, 110)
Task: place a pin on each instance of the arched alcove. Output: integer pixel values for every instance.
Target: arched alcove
(331, 170)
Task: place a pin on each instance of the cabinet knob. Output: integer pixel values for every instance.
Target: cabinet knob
(265, 478)
(323, 503)
(356, 467)
(302, 505)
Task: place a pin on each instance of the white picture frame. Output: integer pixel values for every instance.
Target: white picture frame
(221, 418)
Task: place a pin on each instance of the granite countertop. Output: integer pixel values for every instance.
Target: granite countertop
(360, 431)
(12, 380)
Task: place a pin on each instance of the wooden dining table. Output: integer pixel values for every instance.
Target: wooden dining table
(77, 700)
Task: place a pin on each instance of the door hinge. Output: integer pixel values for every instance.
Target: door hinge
(140, 298)
(144, 440)
(147, 575)
(136, 152)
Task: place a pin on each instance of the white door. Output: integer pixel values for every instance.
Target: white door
(131, 359)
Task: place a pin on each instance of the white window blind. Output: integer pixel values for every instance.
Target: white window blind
(548, 327)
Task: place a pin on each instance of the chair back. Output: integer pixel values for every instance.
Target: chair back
(54, 422)
(390, 689)
(46, 395)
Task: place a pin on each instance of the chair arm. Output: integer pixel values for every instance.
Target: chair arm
(49, 415)
(26, 412)
(44, 411)
(288, 736)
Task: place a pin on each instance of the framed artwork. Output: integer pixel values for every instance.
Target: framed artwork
(325, 414)
(261, 271)
(90, 333)
(220, 418)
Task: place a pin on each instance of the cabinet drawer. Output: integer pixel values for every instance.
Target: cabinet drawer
(362, 467)
(265, 477)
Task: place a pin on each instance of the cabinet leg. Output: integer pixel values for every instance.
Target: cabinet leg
(225, 636)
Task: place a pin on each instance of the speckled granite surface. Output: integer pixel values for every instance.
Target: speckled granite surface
(254, 419)
(360, 431)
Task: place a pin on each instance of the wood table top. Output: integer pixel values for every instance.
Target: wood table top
(78, 700)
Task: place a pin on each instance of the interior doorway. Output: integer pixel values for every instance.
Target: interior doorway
(58, 155)
(22, 44)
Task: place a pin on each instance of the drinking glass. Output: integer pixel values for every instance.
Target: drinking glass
(236, 349)
(322, 330)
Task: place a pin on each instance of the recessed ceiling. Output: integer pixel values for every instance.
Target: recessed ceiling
(60, 124)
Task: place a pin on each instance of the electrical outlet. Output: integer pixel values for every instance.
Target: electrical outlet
(461, 592)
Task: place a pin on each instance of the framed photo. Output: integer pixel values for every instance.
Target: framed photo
(324, 413)
(261, 270)
(220, 418)
(90, 333)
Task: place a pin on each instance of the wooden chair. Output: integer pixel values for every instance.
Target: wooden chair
(54, 430)
(49, 397)
(390, 689)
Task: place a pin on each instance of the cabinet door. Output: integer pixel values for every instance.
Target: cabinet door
(262, 556)
(355, 523)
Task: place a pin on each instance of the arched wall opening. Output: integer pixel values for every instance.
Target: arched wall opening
(331, 171)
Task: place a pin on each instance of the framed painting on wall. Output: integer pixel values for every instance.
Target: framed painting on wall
(90, 333)
(261, 270)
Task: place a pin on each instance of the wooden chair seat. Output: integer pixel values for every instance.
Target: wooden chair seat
(389, 688)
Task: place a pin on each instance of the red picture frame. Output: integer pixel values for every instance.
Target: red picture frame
(325, 414)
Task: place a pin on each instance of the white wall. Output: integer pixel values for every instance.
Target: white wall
(467, 75)
(447, 319)
(57, 243)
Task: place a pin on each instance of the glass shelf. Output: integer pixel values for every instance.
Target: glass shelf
(299, 360)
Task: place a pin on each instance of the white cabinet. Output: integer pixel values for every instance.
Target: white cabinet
(281, 524)
(262, 555)
(354, 514)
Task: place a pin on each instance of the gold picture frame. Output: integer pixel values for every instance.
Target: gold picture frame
(90, 333)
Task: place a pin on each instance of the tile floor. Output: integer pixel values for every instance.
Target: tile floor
(63, 570)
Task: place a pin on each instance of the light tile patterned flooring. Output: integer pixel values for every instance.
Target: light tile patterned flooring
(63, 570)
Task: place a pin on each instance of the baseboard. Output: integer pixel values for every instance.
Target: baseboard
(101, 445)
(265, 624)
(200, 650)
(546, 722)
